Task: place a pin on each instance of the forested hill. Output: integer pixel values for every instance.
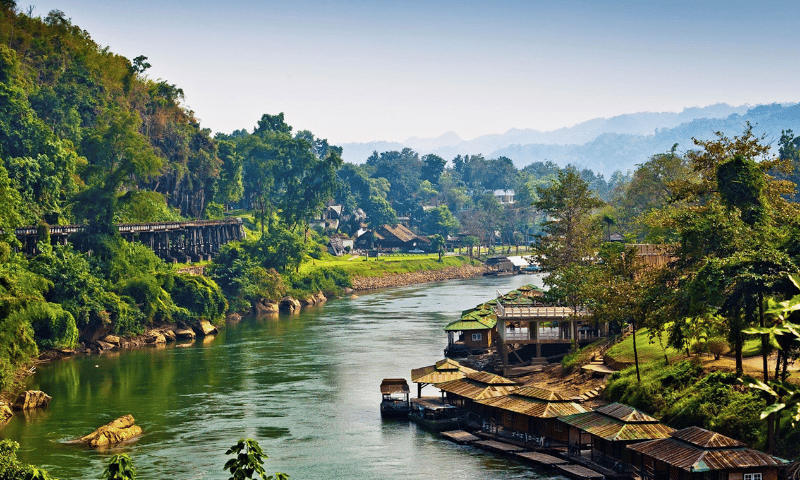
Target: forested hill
(604, 145)
(75, 116)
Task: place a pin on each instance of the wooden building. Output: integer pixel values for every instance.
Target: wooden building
(698, 454)
(532, 412)
(392, 238)
(610, 429)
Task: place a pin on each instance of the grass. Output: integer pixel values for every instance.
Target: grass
(389, 264)
(648, 350)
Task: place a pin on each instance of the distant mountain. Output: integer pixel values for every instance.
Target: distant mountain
(450, 144)
(613, 151)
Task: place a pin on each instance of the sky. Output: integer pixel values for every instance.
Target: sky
(366, 70)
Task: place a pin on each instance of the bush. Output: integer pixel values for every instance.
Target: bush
(328, 280)
(10, 467)
(53, 327)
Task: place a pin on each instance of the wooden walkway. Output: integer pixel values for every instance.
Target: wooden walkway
(498, 447)
(579, 472)
(541, 459)
(459, 436)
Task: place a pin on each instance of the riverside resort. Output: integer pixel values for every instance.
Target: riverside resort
(399, 240)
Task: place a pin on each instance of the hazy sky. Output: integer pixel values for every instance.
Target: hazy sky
(372, 70)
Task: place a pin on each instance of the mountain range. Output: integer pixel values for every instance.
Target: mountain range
(604, 145)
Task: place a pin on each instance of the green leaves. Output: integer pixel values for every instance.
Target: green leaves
(248, 459)
(120, 467)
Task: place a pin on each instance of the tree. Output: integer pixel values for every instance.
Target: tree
(441, 221)
(432, 168)
(570, 234)
(438, 245)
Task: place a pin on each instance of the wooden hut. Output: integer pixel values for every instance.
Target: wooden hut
(610, 429)
(476, 386)
(695, 453)
(473, 332)
(531, 411)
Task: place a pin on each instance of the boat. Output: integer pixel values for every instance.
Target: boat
(395, 402)
(435, 415)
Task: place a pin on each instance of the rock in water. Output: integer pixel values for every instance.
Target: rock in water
(289, 304)
(31, 399)
(184, 334)
(115, 432)
(205, 328)
(5, 413)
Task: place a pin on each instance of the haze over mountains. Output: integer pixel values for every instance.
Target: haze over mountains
(603, 144)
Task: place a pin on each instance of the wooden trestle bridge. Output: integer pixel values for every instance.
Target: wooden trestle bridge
(189, 241)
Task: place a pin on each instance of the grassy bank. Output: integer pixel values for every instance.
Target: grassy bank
(358, 266)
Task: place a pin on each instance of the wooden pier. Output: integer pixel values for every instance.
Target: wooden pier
(541, 459)
(579, 472)
(498, 447)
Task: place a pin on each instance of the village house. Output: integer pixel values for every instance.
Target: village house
(392, 238)
(532, 413)
(695, 453)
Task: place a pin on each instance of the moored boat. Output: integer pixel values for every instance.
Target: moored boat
(395, 394)
(433, 414)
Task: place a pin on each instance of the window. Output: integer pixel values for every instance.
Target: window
(477, 337)
(752, 476)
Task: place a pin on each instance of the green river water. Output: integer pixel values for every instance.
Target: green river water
(304, 386)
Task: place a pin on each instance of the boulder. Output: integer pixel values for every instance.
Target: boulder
(289, 304)
(169, 335)
(112, 433)
(31, 399)
(320, 298)
(112, 339)
(204, 328)
(184, 334)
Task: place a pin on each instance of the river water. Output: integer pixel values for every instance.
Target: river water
(304, 386)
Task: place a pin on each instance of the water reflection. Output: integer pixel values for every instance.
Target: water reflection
(305, 386)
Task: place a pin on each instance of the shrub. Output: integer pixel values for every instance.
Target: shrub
(717, 346)
(199, 295)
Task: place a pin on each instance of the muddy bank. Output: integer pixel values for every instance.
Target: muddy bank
(411, 278)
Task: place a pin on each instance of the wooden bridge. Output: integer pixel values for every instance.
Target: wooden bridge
(183, 242)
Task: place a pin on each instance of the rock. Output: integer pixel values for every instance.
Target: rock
(320, 298)
(112, 339)
(184, 334)
(155, 337)
(289, 304)
(169, 335)
(112, 433)
(266, 308)
(5, 412)
(103, 346)
(31, 399)
(233, 317)
(353, 296)
(204, 328)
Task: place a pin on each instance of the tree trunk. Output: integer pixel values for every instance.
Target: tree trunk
(636, 354)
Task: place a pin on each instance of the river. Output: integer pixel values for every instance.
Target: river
(304, 386)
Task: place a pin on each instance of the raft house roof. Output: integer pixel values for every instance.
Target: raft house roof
(696, 449)
(617, 422)
(394, 385)
(481, 317)
(479, 385)
(443, 371)
(534, 402)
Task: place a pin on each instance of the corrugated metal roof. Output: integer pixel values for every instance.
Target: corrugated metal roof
(394, 385)
(485, 323)
(692, 458)
(532, 407)
(625, 413)
(443, 371)
(474, 389)
(613, 429)
(706, 439)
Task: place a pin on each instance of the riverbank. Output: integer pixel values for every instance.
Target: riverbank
(412, 278)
